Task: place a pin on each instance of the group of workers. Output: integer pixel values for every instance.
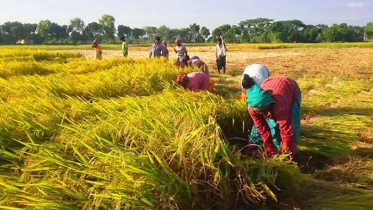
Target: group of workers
(159, 49)
(273, 102)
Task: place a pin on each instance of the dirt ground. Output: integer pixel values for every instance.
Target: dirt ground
(295, 63)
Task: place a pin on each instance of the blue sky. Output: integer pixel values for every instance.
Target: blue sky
(177, 13)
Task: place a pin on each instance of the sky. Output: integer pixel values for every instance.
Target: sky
(178, 14)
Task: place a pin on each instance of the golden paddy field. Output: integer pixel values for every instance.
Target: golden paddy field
(118, 134)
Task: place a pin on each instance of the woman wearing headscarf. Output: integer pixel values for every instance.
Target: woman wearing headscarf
(278, 98)
(98, 52)
(258, 72)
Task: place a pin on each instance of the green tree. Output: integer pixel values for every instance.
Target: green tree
(137, 33)
(30, 28)
(221, 31)
(108, 25)
(205, 32)
(336, 33)
(124, 31)
(311, 33)
(256, 27)
(77, 25)
(231, 34)
(184, 34)
(194, 30)
(92, 31)
(14, 31)
(245, 38)
(286, 31)
(164, 32)
(44, 29)
(58, 33)
(355, 34)
(151, 32)
(369, 30)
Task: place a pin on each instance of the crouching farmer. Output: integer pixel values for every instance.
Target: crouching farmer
(278, 98)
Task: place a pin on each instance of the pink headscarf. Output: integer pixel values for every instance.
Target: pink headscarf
(179, 78)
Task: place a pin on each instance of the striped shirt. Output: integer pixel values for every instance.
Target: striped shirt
(285, 93)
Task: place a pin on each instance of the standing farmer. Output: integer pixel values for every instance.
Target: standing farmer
(278, 98)
(182, 53)
(124, 46)
(97, 49)
(221, 55)
(157, 49)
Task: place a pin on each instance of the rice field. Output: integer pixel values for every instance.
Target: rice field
(77, 133)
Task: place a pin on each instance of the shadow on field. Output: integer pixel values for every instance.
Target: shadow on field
(341, 111)
(330, 143)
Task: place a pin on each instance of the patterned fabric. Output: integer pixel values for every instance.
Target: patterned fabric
(255, 137)
(286, 94)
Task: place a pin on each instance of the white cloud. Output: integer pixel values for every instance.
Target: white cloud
(358, 4)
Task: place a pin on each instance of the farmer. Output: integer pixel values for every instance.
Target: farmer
(157, 49)
(182, 53)
(221, 55)
(258, 72)
(166, 53)
(278, 98)
(124, 46)
(195, 81)
(98, 52)
(196, 62)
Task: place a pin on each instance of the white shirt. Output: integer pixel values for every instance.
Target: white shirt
(257, 72)
(220, 51)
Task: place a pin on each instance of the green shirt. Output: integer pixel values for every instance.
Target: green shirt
(124, 49)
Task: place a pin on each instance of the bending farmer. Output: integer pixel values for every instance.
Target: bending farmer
(258, 72)
(195, 81)
(278, 98)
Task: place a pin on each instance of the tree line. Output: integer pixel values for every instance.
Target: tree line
(259, 30)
